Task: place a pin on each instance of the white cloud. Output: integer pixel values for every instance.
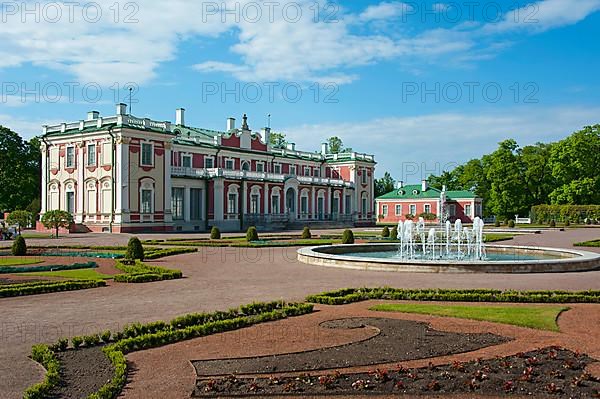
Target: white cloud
(27, 128)
(385, 10)
(433, 142)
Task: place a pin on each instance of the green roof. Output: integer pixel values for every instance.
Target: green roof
(413, 191)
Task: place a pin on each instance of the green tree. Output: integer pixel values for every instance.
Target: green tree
(19, 247)
(57, 219)
(384, 185)
(135, 250)
(277, 140)
(19, 170)
(448, 179)
(336, 145)
(20, 218)
(575, 162)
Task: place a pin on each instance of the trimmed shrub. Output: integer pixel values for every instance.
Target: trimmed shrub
(47, 268)
(135, 250)
(105, 336)
(511, 223)
(385, 232)
(91, 340)
(497, 223)
(552, 223)
(60, 346)
(77, 341)
(46, 287)
(43, 355)
(251, 234)
(19, 248)
(215, 233)
(348, 237)
(394, 233)
(306, 234)
(567, 223)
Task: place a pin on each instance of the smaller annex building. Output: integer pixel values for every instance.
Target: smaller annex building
(412, 201)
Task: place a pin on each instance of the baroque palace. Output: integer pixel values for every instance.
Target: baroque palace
(127, 174)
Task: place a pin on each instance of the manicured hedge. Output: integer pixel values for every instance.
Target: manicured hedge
(593, 243)
(142, 273)
(46, 268)
(561, 213)
(139, 336)
(43, 355)
(47, 287)
(350, 295)
(161, 253)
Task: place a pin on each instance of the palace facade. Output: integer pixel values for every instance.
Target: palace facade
(127, 174)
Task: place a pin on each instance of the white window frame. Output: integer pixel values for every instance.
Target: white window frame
(142, 144)
(262, 166)
(71, 211)
(398, 209)
(227, 161)
(363, 176)
(244, 163)
(181, 190)
(468, 212)
(412, 209)
(212, 160)
(427, 208)
(306, 170)
(294, 173)
(151, 208)
(68, 164)
(232, 205)
(452, 209)
(277, 168)
(384, 210)
(183, 157)
(316, 172)
(91, 146)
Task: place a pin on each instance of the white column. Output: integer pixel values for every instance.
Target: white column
(313, 202)
(186, 204)
(343, 202)
(44, 192)
(266, 198)
(168, 185)
(245, 197)
(327, 202)
(218, 199)
(80, 182)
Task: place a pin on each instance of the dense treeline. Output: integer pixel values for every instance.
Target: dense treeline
(512, 179)
(19, 172)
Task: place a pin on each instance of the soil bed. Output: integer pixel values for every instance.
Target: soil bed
(548, 372)
(82, 372)
(12, 280)
(398, 340)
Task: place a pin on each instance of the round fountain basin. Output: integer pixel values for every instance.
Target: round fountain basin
(500, 259)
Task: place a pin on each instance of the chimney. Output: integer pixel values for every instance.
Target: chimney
(121, 109)
(423, 185)
(400, 184)
(291, 146)
(93, 115)
(180, 116)
(230, 124)
(266, 134)
(444, 188)
(324, 148)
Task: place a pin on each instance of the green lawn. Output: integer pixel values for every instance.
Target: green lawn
(495, 237)
(78, 274)
(539, 317)
(27, 235)
(18, 261)
(592, 243)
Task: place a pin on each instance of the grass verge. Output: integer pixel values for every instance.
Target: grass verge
(44, 287)
(592, 243)
(538, 317)
(78, 274)
(19, 260)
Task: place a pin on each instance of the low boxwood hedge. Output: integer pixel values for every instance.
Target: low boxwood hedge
(350, 295)
(46, 357)
(142, 273)
(161, 253)
(139, 336)
(46, 268)
(44, 287)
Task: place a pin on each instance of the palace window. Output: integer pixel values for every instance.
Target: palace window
(177, 194)
(229, 164)
(468, 209)
(304, 205)
(275, 204)
(384, 210)
(398, 209)
(413, 209)
(260, 167)
(91, 155)
(208, 163)
(292, 169)
(452, 209)
(427, 208)
(70, 158)
(147, 152)
(70, 202)
(348, 204)
(307, 171)
(316, 172)
(196, 204)
(363, 176)
(146, 198)
(277, 168)
(232, 203)
(186, 161)
(254, 207)
(245, 166)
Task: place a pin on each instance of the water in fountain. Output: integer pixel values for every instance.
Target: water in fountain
(443, 242)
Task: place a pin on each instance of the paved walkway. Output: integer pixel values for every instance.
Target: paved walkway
(220, 278)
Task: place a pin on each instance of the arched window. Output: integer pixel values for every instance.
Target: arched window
(245, 166)
(53, 196)
(232, 201)
(146, 196)
(275, 200)
(91, 199)
(70, 197)
(255, 200)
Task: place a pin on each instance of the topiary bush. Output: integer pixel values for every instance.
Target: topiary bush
(19, 248)
(497, 223)
(394, 233)
(567, 223)
(306, 234)
(552, 223)
(511, 223)
(348, 237)
(251, 234)
(76, 341)
(385, 233)
(135, 250)
(215, 233)
(105, 336)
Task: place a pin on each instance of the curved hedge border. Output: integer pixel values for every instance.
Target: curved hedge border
(142, 273)
(139, 336)
(349, 295)
(46, 268)
(46, 357)
(45, 287)
(161, 253)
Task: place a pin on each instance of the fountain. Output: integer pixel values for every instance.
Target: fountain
(441, 243)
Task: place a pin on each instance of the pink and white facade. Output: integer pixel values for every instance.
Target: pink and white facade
(412, 201)
(127, 174)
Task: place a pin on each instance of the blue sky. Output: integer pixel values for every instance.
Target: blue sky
(422, 85)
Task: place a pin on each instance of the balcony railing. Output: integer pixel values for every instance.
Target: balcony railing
(178, 171)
